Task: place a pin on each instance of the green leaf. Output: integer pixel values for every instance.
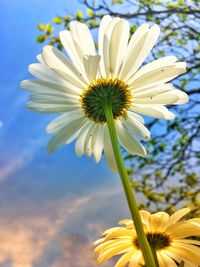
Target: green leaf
(57, 20)
(49, 29)
(79, 14)
(93, 24)
(184, 82)
(41, 38)
(117, 2)
(181, 3)
(59, 46)
(133, 28)
(67, 18)
(161, 53)
(89, 12)
(41, 27)
(184, 17)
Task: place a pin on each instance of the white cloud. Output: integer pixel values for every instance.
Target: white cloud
(12, 166)
(1, 124)
(17, 161)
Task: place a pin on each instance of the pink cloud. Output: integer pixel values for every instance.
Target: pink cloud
(77, 251)
(30, 239)
(22, 242)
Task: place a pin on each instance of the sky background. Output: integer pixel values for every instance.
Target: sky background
(51, 207)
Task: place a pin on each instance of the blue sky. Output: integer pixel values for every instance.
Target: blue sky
(48, 204)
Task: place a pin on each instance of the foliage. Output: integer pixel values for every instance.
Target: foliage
(168, 177)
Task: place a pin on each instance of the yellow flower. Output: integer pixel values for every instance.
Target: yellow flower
(166, 234)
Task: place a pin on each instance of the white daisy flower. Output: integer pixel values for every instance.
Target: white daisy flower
(77, 87)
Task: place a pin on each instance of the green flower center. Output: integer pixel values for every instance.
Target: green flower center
(156, 240)
(101, 91)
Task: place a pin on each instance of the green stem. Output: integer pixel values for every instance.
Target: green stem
(155, 256)
(142, 240)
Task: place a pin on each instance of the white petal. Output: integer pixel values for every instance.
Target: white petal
(165, 98)
(151, 90)
(79, 146)
(62, 120)
(153, 110)
(54, 94)
(182, 97)
(136, 127)
(82, 39)
(106, 45)
(67, 42)
(52, 76)
(159, 76)
(134, 47)
(129, 141)
(64, 134)
(39, 58)
(51, 108)
(102, 28)
(136, 116)
(88, 141)
(91, 64)
(118, 45)
(48, 99)
(55, 59)
(156, 64)
(108, 150)
(70, 80)
(140, 49)
(44, 87)
(97, 142)
(41, 72)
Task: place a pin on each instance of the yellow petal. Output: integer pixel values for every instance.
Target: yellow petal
(124, 259)
(164, 260)
(135, 259)
(112, 243)
(177, 216)
(158, 220)
(184, 229)
(189, 252)
(109, 253)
